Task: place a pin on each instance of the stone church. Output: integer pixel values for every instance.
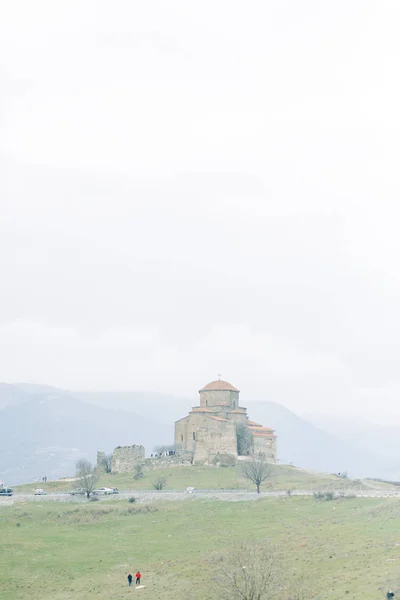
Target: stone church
(211, 429)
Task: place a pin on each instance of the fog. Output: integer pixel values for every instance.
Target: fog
(192, 188)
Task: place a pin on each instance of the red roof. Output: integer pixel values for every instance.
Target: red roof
(260, 428)
(219, 386)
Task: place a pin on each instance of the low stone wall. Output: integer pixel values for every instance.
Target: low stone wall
(176, 460)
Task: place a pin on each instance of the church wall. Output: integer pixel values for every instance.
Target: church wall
(214, 437)
(266, 446)
(215, 397)
(181, 436)
(210, 437)
(238, 418)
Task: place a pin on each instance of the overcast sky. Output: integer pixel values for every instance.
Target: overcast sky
(190, 188)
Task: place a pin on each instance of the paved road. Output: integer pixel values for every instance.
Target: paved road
(174, 495)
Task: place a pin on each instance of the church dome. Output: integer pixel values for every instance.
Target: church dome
(219, 385)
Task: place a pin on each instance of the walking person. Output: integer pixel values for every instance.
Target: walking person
(138, 577)
(130, 579)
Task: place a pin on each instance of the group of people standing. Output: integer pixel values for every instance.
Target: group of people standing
(138, 577)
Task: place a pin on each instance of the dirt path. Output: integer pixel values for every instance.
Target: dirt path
(173, 496)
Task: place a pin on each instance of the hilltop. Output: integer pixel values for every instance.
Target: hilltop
(44, 430)
(179, 477)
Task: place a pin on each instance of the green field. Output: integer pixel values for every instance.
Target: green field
(179, 478)
(53, 551)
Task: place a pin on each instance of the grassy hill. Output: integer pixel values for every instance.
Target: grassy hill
(342, 549)
(283, 477)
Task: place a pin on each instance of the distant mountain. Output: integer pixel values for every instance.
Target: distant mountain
(43, 430)
(310, 447)
(166, 407)
(363, 434)
(11, 395)
(47, 433)
(38, 389)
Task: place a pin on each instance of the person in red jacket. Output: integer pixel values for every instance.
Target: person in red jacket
(138, 577)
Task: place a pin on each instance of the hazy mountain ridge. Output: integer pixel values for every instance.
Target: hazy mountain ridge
(167, 407)
(311, 447)
(11, 395)
(362, 434)
(43, 430)
(71, 429)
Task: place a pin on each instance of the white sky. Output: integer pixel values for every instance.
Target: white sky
(194, 187)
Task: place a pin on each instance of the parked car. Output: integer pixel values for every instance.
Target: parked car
(6, 492)
(106, 491)
(40, 492)
(78, 492)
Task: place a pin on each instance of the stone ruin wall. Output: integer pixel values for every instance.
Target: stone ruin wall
(180, 459)
(100, 457)
(124, 458)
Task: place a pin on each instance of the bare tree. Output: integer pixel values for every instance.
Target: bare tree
(162, 449)
(249, 573)
(257, 572)
(257, 469)
(159, 483)
(301, 590)
(106, 462)
(87, 475)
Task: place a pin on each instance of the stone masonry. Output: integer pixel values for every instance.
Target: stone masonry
(211, 428)
(124, 458)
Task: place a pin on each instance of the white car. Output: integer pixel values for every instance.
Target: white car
(40, 492)
(106, 491)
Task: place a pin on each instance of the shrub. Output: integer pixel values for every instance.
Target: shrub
(324, 496)
(132, 500)
(159, 483)
(224, 460)
(327, 496)
(138, 474)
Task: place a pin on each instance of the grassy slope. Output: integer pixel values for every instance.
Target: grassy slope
(347, 549)
(179, 478)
